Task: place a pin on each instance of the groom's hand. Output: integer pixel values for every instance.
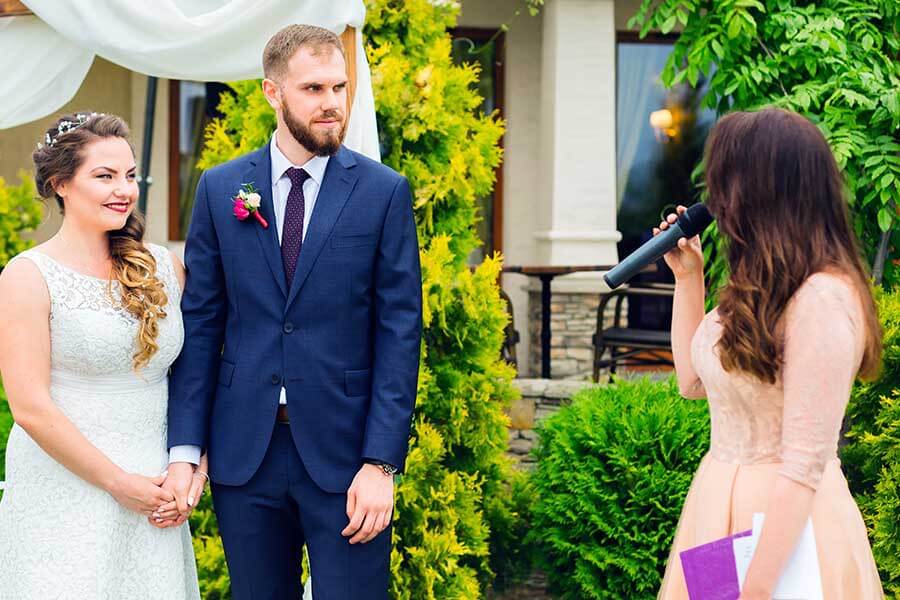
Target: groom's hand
(180, 477)
(370, 504)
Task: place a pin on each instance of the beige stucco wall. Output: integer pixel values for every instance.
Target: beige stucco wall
(112, 89)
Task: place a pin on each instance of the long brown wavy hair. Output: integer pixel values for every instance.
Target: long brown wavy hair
(779, 199)
(133, 266)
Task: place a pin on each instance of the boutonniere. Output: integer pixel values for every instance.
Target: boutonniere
(246, 203)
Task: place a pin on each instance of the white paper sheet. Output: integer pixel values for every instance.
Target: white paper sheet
(801, 578)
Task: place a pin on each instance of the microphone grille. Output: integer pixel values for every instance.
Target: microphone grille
(695, 220)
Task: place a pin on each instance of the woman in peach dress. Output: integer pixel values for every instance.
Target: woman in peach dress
(776, 359)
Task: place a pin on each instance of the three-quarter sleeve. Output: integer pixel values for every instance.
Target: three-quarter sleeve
(822, 354)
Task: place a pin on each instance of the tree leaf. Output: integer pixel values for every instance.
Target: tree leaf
(717, 48)
(884, 219)
(735, 26)
(669, 24)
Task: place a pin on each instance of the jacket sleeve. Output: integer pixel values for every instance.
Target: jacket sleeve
(204, 310)
(397, 333)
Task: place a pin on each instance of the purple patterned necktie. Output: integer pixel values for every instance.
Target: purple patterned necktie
(292, 230)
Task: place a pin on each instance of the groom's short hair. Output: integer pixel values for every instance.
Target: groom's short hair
(284, 44)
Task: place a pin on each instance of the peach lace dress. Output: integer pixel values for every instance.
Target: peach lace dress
(760, 431)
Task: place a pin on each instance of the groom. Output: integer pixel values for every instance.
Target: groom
(302, 327)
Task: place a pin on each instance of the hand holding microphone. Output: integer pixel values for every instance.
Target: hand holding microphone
(676, 239)
(686, 257)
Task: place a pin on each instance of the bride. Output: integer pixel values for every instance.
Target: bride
(89, 324)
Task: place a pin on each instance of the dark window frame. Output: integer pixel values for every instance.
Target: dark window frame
(483, 35)
(174, 200)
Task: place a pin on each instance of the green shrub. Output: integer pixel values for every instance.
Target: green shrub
(613, 470)
(861, 466)
(6, 423)
(871, 457)
(211, 569)
(881, 507)
(19, 211)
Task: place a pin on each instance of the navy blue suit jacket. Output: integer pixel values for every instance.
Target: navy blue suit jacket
(344, 340)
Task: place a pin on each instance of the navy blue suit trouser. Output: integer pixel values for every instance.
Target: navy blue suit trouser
(265, 523)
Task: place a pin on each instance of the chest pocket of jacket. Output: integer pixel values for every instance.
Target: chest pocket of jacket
(353, 241)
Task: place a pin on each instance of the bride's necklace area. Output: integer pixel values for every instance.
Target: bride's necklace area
(82, 266)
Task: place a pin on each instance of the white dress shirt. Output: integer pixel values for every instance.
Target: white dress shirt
(281, 186)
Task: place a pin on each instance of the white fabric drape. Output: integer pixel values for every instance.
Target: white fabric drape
(41, 70)
(45, 58)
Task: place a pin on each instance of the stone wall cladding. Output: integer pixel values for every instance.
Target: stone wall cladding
(540, 399)
(573, 322)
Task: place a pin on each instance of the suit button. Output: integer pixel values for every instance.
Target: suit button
(276, 379)
(288, 327)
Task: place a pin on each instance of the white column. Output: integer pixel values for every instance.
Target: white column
(577, 220)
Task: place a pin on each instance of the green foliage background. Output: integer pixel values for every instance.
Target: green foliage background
(455, 525)
(613, 471)
(871, 458)
(20, 211)
(834, 61)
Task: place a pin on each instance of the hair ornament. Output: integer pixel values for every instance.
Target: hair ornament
(66, 126)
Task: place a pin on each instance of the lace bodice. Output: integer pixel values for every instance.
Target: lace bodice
(797, 420)
(89, 328)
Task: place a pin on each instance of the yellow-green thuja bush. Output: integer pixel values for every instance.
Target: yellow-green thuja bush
(456, 522)
(19, 211)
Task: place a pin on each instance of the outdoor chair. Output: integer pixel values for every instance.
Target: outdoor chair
(510, 334)
(629, 346)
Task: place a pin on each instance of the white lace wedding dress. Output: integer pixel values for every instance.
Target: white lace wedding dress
(60, 537)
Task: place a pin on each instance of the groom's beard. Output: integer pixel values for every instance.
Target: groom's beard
(324, 143)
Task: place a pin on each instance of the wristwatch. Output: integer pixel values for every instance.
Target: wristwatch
(388, 469)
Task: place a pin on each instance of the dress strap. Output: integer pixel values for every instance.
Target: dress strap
(46, 265)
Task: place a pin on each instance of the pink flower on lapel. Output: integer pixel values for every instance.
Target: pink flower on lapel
(239, 210)
(246, 203)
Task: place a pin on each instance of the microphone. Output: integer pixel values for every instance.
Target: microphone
(694, 220)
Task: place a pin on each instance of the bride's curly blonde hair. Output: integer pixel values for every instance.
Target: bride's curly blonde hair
(133, 266)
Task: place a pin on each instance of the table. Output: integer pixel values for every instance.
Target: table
(546, 273)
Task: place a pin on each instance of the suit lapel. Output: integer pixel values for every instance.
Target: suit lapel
(260, 174)
(337, 184)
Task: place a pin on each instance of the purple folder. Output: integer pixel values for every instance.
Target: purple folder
(710, 571)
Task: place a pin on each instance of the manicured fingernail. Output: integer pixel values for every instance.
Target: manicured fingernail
(156, 515)
(190, 500)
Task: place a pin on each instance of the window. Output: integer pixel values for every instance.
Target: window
(192, 105)
(659, 140)
(485, 48)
